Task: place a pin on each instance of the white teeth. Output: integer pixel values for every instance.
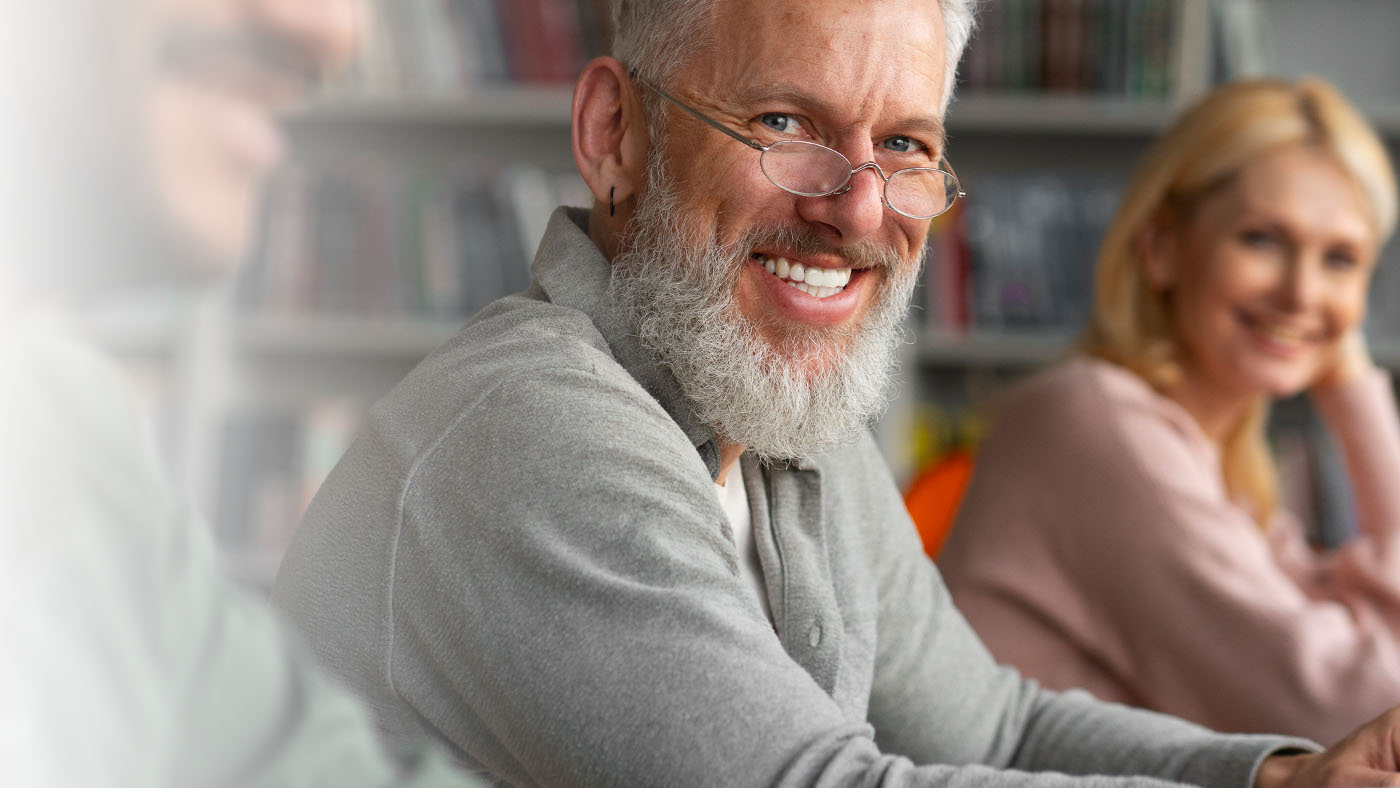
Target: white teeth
(813, 290)
(1283, 334)
(816, 282)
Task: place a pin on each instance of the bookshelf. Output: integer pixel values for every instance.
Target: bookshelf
(415, 108)
(991, 348)
(342, 337)
(529, 105)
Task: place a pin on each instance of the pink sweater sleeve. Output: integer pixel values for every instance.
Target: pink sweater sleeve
(1096, 547)
(1363, 418)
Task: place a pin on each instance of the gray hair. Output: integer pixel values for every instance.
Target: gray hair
(656, 37)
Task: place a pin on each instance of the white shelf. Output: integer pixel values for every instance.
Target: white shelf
(549, 106)
(1063, 113)
(354, 337)
(1024, 349)
(992, 348)
(545, 105)
(348, 337)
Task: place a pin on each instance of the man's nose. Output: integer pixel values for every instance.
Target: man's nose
(854, 214)
(329, 30)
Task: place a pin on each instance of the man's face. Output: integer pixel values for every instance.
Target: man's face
(212, 75)
(863, 78)
(784, 370)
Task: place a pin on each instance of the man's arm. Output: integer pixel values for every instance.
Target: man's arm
(933, 670)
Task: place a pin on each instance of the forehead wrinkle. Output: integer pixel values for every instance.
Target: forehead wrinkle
(849, 68)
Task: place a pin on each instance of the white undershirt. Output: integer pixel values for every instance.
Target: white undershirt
(735, 502)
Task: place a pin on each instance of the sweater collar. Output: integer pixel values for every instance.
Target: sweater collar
(573, 272)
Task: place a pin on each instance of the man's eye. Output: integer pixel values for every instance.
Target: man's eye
(1341, 260)
(903, 145)
(778, 121)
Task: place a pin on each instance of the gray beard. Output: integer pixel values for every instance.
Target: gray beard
(820, 388)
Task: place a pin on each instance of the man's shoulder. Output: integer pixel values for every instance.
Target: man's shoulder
(523, 370)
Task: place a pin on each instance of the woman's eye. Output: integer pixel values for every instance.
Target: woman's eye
(778, 121)
(1257, 239)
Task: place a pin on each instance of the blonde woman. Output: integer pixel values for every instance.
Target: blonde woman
(1122, 531)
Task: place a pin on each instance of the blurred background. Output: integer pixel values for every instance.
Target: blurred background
(420, 178)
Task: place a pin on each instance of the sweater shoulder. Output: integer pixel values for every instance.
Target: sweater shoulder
(1094, 419)
(519, 364)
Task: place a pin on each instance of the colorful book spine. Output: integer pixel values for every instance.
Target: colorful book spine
(448, 47)
(1101, 47)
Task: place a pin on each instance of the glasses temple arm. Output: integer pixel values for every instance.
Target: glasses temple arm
(716, 124)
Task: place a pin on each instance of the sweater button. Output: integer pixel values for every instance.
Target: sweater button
(814, 637)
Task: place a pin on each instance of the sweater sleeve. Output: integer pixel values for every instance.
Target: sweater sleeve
(1131, 553)
(933, 669)
(1362, 416)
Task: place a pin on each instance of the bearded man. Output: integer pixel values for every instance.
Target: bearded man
(628, 527)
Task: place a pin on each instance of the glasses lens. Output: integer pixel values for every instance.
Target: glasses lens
(805, 168)
(921, 192)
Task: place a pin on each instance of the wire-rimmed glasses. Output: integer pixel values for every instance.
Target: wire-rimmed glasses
(808, 169)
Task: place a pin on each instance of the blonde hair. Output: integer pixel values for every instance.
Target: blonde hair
(1203, 150)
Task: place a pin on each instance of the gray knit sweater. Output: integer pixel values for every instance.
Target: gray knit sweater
(524, 555)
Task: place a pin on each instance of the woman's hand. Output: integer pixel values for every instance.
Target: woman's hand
(1351, 359)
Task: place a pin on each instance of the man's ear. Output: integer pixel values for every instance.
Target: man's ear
(609, 131)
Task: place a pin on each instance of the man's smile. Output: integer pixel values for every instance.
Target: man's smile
(812, 280)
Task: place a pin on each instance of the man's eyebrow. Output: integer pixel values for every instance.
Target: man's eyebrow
(928, 126)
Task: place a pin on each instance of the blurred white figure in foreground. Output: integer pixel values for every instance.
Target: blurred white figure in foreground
(136, 135)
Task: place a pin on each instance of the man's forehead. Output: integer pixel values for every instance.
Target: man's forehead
(872, 56)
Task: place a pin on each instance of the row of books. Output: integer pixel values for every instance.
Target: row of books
(1118, 47)
(449, 46)
(366, 237)
(1105, 47)
(1018, 254)
(369, 238)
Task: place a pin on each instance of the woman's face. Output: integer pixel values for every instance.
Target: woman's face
(1268, 274)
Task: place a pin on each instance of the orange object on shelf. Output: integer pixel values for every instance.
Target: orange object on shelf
(934, 496)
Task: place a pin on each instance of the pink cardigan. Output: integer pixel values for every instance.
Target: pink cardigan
(1097, 548)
